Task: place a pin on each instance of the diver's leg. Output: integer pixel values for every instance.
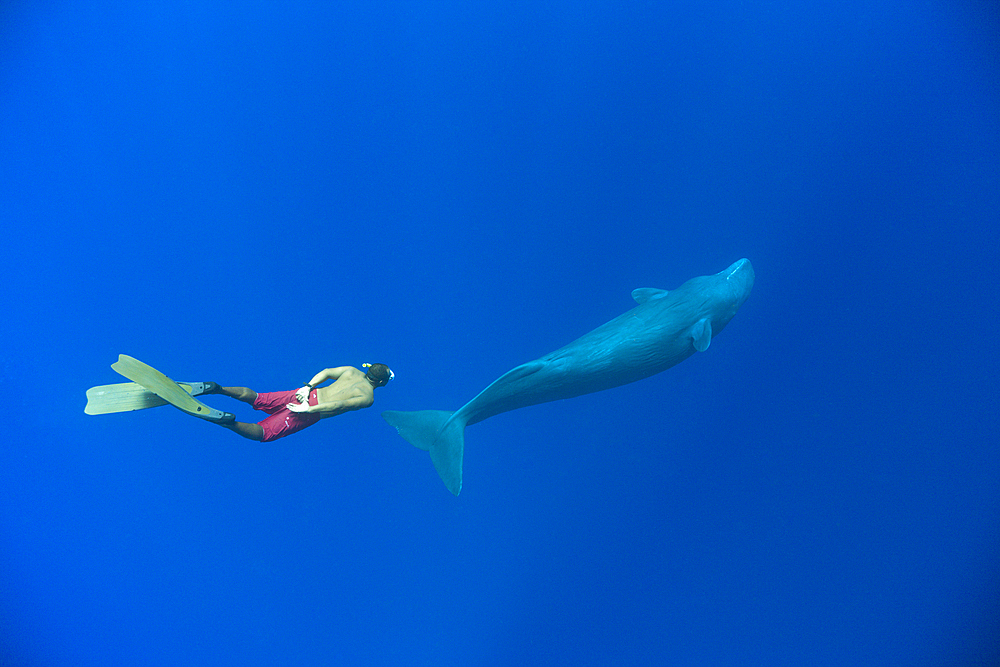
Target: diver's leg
(249, 431)
(239, 393)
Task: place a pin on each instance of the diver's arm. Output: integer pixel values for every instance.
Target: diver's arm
(327, 374)
(332, 408)
(302, 395)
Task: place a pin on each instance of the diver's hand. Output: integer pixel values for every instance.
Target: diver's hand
(302, 395)
(299, 407)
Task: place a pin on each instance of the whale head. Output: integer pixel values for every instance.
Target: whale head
(729, 289)
(716, 298)
(739, 277)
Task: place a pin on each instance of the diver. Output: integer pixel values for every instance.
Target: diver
(293, 410)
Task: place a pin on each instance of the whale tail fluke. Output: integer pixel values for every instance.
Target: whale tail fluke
(436, 432)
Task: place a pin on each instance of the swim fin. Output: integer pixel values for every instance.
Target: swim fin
(167, 389)
(128, 396)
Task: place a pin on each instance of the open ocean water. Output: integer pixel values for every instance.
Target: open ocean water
(249, 193)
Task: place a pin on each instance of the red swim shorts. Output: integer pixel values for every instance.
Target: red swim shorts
(283, 421)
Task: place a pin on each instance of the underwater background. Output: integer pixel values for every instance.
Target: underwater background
(249, 193)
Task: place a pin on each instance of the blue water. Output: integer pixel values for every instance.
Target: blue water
(249, 194)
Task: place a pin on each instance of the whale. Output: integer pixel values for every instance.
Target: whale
(664, 329)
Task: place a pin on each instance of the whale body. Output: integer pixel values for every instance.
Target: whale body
(664, 329)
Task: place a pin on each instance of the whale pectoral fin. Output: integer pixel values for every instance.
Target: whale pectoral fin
(644, 294)
(701, 334)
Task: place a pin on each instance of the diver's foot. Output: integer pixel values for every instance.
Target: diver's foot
(211, 388)
(227, 419)
(217, 417)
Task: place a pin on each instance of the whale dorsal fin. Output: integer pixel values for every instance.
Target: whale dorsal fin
(701, 334)
(644, 294)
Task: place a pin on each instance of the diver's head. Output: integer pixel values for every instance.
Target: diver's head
(378, 374)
